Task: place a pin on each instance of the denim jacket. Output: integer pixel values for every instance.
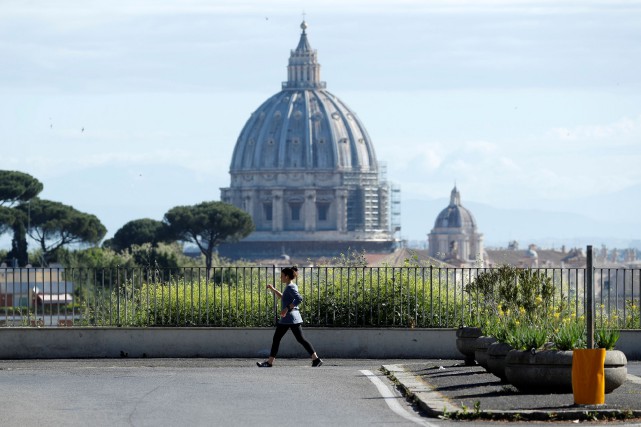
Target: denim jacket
(291, 296)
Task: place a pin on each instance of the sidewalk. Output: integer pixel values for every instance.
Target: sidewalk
(449, 389)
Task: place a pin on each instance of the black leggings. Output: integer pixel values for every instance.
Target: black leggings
(297, 330)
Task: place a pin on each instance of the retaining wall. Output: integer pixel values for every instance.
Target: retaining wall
(387, 343)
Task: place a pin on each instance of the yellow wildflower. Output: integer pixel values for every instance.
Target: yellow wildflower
(521, 311)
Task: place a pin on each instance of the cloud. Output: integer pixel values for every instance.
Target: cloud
(523, 170)
(625, 131)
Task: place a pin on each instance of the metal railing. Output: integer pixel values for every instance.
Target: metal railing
(427, 297)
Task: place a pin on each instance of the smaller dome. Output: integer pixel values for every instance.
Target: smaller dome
(455, 215)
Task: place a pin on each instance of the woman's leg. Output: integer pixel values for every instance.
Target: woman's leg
(279, 333)
(297, 329)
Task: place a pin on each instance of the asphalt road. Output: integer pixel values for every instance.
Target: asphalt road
(197, 392)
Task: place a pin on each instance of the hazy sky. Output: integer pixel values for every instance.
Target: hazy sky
(529, 104)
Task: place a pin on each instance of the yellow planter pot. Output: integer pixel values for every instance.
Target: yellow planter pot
(588, 376)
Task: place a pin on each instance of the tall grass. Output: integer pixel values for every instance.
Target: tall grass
(339, 297)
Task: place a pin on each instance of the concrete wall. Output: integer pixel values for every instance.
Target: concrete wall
(630, 344)
(53, 343)
(36, 343)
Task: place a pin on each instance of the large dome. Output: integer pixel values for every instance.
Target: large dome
(303, 129)
(303, 126)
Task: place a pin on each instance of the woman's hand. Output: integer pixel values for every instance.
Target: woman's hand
(283, 312)
(270, 287)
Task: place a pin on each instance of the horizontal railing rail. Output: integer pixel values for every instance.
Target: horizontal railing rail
(403, 297)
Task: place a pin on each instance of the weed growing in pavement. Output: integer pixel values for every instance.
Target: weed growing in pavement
(591, 415)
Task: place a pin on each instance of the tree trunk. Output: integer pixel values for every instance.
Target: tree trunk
(19, 244)
(209, 254)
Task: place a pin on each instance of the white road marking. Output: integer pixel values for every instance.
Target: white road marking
(392, 400)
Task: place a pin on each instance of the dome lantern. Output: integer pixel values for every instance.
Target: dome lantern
(303, 70)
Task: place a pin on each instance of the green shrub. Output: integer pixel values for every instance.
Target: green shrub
(570, 335)
(606, 337)
(527, 336)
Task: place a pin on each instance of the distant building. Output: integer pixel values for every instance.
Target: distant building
(29, 287)
(535, 257)
(455, 238)
(305, 169)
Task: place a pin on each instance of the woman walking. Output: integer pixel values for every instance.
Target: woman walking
(290, 317)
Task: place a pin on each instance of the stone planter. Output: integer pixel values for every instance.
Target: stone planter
(616, 370)
(465, 342)
(480, 351)
(551, 370)
(496, 353)
(543, 371)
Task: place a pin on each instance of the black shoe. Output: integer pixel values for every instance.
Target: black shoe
(317, 362)
(264, 364)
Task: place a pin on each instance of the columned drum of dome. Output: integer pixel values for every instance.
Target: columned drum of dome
(455, 238)
(305, 169)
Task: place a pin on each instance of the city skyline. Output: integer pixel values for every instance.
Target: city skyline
(126, 109)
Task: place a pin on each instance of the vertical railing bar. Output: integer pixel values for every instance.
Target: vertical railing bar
(349, 294)
(394, 287)
(191, 293)
(58, 302)
(184, 285)
(372, 298)
(577, 296)
(168, 277)
(244, 295)
(51, 309)
(118, 296)
(416, 297)
(318, 293)
(207, 284)
(625, 297)
(126, 279)
(609, 296)
(229, 310)
(616, 294)
(378, 296)
(251, 292)
(431, 321)
(598, 284)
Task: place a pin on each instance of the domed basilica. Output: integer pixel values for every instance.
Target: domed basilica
(305, 169)
(455, 238)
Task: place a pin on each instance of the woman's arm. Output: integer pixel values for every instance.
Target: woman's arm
(274, 291)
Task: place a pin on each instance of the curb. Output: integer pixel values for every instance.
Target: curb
(437, 405)
(431, 401)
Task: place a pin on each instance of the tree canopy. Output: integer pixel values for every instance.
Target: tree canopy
(138, 232)
(6, 219)
(16, 187)
(53, 225)
(208, 224)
